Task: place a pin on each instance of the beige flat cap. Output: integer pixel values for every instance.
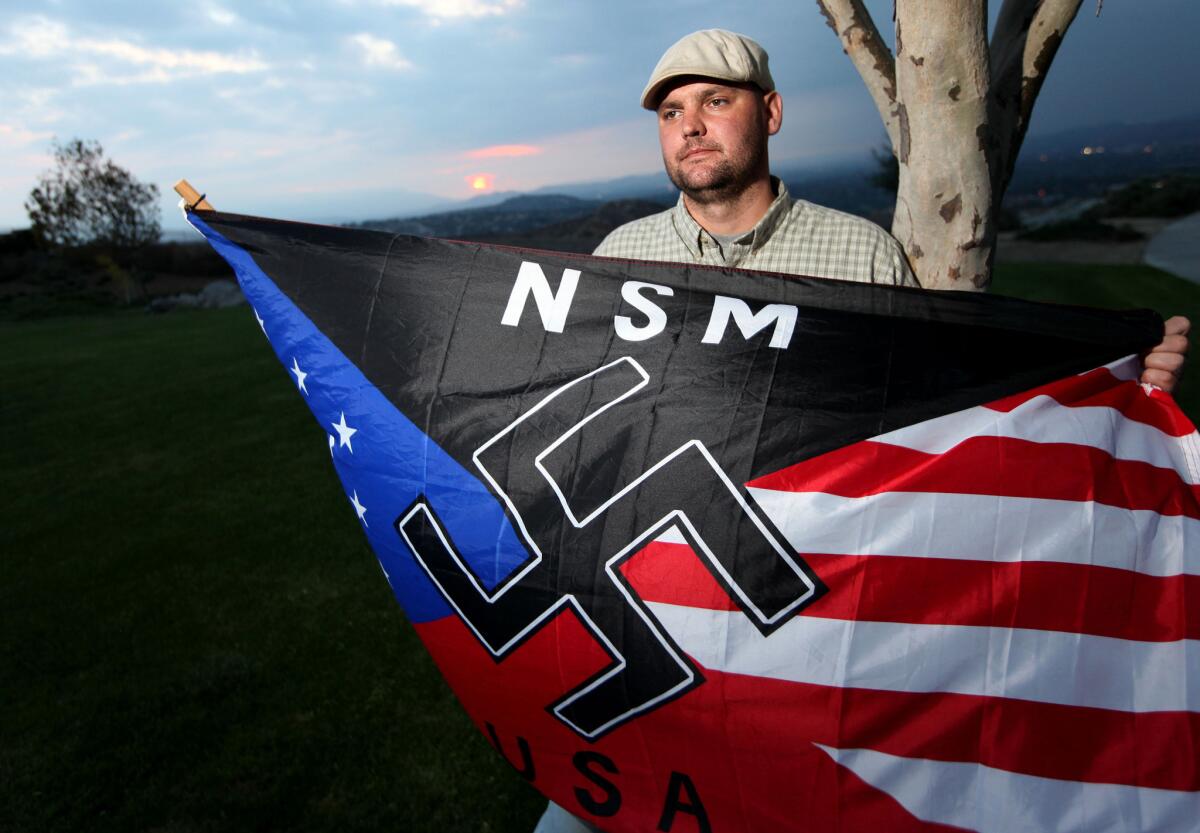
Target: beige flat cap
(711, 53)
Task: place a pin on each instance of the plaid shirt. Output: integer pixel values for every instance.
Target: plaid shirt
(794, 237)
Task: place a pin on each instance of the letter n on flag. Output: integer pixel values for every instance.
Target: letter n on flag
(764, 552)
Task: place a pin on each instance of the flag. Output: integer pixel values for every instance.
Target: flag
(711, 550)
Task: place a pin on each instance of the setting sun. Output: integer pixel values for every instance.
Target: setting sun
(480, 182)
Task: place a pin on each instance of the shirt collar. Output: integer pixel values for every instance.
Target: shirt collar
(694, 237)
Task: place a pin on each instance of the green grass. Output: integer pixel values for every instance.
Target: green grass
(1111, 287)
(193, 633)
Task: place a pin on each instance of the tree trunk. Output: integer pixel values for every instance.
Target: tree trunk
(945, 217)
(956, 112)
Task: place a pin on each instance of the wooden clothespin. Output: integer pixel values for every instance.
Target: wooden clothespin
(194, 199)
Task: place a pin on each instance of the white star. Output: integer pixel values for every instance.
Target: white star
(345, 432)
(360, 510)
(258, 318)
(300, 374)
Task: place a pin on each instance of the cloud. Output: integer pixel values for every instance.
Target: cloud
(495, 151)
(33, 104)
(220, 16)
(171, 61)
(378, 52)
(36, 37)
(40, 37)
(16, 136)
(451, 9)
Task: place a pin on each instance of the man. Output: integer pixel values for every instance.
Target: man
(717, 105)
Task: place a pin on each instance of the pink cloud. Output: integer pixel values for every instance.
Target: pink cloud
(495, 151)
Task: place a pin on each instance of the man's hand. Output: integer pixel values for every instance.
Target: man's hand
(1164, 363)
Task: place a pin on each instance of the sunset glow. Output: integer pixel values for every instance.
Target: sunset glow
(503, 151)
(480, 182)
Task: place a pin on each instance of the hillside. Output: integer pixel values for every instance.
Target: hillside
(1078, 164)
(512, 216)
(581, 234)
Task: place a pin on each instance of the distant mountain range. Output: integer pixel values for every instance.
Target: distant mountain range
(536, 221)
(1082, 162)
(563, 222)
(1117, 137)
(579, 234)
(511, 215)
(1069, 164)
(1087, 162)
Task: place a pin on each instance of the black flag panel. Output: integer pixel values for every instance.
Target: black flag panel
(667, 529)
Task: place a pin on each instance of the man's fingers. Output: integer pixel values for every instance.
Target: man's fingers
(1170, 362)
(1164, 364)
(1160, 379)
(1177, 325)
(1172, 344)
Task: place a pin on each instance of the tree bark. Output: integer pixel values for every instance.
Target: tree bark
(945, 217)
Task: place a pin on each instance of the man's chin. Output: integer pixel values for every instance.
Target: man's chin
(704, 187)
(708, 196)
(708, 190)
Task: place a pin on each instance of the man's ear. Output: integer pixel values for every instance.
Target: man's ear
(773, 103)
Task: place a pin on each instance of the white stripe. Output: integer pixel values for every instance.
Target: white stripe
(986, 528)
(990, 800)
(1042, 420)
(1044, 666)
(1127, 369)
(671, 535)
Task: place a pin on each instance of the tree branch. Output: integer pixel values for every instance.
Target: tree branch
(1026, 39)
(1050, 25)
(852, 23)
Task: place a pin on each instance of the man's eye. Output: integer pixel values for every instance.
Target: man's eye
(670, 114)
(718, 102)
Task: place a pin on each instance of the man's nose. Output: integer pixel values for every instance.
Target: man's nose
(692, 124)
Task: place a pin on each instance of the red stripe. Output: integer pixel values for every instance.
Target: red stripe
(751, 763)
(1100, 388)
(749, 728)
(934, 591)
(992, 466)
(1066, 391)
(1150, 749)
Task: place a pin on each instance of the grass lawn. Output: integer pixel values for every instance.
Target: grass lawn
(193, 634)
(1112, 287)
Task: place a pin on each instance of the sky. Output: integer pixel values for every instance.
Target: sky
(315, 109)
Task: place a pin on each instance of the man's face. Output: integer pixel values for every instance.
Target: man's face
(714, 136)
